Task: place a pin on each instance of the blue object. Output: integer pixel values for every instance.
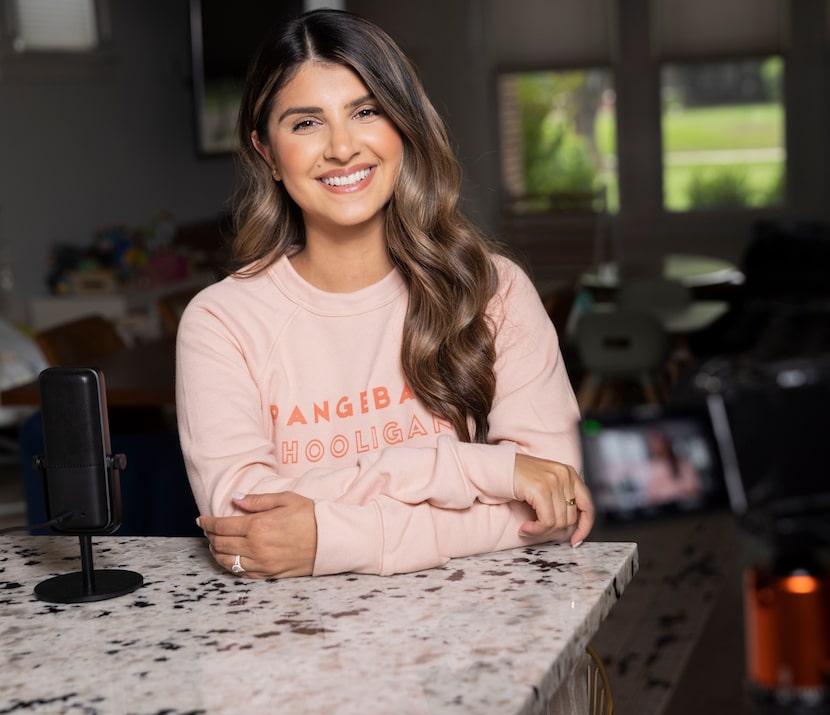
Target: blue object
(155, 494)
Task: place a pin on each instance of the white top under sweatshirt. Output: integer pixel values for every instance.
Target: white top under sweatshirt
(284, 387)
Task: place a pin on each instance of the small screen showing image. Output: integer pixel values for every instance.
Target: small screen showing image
(637, 464)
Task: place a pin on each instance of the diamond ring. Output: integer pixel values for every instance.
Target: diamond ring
(237, 566)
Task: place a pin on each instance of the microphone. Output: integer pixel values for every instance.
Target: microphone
(82, 486)
(81, 479)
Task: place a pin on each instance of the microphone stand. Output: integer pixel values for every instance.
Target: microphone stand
(88, 584)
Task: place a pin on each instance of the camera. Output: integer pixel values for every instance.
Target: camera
(771, 422)
(754, 437)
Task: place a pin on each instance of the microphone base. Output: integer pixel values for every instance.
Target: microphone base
(75, 587)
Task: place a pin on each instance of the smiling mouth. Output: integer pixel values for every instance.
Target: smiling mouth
(349, 180)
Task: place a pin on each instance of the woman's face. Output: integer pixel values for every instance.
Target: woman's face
(335, 151)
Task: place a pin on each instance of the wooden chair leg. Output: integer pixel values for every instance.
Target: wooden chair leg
(650, 390)
(588, 392)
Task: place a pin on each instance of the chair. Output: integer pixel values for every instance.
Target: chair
(83, 342)
(573, 696)
(171, 305)
(590, 204)
(559, 302)
(155, 493)
(78, 342)
(662, 296)
(600, 700)
(618, 347)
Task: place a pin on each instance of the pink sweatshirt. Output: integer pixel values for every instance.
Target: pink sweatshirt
(284, 387)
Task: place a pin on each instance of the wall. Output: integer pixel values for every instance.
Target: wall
(460, 46)
(444, 39)
(114, 145)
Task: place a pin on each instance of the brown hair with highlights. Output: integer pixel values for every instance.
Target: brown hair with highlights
(448, 349)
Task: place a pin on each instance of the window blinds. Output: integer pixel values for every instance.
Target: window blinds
(55, 25)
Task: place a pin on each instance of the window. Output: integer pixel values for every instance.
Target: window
(53, 39)
(558, 139)
(723, 134)
(222, 41)
(54, 25)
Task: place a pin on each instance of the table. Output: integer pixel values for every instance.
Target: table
(698, 315)
(143, 375)
(134, 310)
(698, 273)
(497, 633)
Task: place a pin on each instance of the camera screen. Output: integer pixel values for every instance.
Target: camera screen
(643, 463)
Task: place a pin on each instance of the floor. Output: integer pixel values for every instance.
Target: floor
(673, 645)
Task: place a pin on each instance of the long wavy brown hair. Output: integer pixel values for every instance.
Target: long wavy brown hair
(448, 342)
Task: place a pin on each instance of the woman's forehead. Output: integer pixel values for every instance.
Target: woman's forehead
(318, 78)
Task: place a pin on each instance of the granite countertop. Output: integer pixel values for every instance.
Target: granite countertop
(497, 633)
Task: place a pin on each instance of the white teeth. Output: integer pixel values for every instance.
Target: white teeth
(347, 180)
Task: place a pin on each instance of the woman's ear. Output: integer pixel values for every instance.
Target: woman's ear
(265, 152)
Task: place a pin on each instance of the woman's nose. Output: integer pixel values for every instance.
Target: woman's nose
(342, 145)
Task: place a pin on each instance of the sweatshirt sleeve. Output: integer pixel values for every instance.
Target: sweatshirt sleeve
(387, 537)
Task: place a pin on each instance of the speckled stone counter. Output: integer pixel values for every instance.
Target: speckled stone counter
(498, 633)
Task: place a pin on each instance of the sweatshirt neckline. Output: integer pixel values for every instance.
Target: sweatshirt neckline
(300, 291)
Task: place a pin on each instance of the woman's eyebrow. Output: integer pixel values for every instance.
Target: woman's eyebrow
(300, 110)
(317, 110)
(360, 100)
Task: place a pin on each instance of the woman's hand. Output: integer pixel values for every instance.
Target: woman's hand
(558, 496)
(276, 538)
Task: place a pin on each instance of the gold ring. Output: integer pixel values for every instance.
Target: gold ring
(571, 501)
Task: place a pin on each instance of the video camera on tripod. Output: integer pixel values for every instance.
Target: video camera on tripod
(755, 436)
(772, 426)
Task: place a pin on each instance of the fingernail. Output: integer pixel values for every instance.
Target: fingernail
(577, 544)
(238, 495)
(199, 522)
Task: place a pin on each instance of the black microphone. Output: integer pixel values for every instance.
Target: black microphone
(81, 479)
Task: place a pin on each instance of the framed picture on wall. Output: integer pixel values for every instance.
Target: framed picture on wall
(224, 37)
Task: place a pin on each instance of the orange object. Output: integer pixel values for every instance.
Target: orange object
(787, 634)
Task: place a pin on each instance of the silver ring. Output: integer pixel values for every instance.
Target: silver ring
(237, 567)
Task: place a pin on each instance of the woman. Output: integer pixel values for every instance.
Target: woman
(373, 389)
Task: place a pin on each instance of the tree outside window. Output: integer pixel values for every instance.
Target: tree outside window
(558, 138)
(723, 135)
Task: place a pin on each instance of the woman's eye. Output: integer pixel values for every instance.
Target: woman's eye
(303, 125)
(368, 112)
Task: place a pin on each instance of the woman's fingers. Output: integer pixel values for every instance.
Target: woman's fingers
(585, 513)
(557, 495)
(277, 537)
